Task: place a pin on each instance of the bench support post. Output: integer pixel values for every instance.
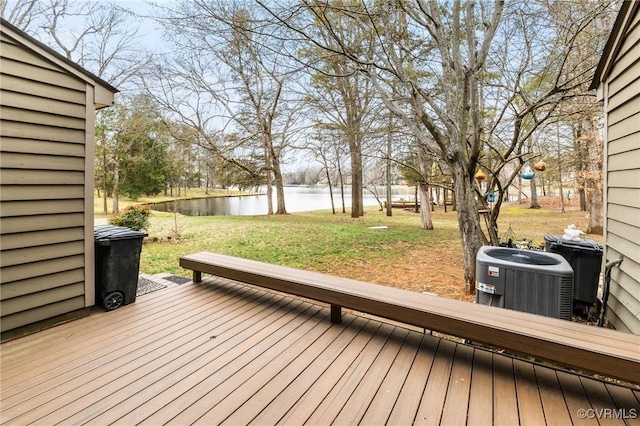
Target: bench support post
(197, 276)
(336, 314)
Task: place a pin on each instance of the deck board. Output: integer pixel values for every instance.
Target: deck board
(315, 393)
(481, 392)
(553, 403)
(188, 362)
(282, 388)
(575, 396)
(599, 397)
(223, 377)
(334, 402)
(529, 403)
(505, 399)
(222, 352)
(410, 395)
(432, 402)
(456, 404)
(182, 380)
(359, 401)
(387, 395)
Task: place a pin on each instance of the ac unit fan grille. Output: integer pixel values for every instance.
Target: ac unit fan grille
(526, 257)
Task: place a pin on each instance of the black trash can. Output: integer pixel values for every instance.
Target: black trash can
(117, 265)
(585, 257)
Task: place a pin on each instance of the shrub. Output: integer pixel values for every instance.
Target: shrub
(134, 217)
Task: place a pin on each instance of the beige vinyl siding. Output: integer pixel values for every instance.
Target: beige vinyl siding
(37, 255)
(625, 197)
(18, 224)
(43, 177)
(41, 238)
(626, 94)
(34, 146)
(41, 118)
(628, 143)
(41, 269)
(18, 160)
(625, 306)
(623, 182)
(626, 55)
(40, 207)
(43, 90)
(42, 188)
(50, 106)
(41, 313)
(37, 284)
(628, 126)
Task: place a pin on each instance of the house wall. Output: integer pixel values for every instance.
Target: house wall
(44, 259)
(622, 175)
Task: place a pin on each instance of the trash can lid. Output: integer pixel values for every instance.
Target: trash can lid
(580, 244)
(107, 233)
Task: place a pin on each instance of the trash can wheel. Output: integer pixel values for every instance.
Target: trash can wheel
(113, 301)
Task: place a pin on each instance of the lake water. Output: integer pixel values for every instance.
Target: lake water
(297, 199)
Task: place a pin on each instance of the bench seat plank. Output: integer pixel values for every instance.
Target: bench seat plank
(575, 345)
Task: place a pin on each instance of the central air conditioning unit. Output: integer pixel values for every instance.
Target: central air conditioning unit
(525, 280)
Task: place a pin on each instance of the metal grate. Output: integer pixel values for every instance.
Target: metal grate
(525, 257)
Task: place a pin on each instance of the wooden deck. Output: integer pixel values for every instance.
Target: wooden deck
(226, 353)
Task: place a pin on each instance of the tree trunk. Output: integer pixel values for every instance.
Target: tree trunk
(469, 222)
(519, 188)
(425, 210)
(269, 180)
(454, 203)
(446, 194)
(280, 209)
(269, 193)
(341, 178)
(333, 207)
(105, 209)
(355, 149)
(431, 197)
(388, 173)
(594, 179)
(425, 204)
(116, 177)
(357, 209)
(596, 213)
(534, 194)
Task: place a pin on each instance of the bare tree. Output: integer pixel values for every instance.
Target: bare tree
(468, 99)
(228, 79)
(343, 97)
(99, 36)
(25, 14)
(454, 40)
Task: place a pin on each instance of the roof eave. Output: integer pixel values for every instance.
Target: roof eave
(87, 74)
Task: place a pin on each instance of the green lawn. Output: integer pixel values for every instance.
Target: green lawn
(325, 242)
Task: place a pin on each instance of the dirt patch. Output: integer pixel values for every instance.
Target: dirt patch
(438, 271)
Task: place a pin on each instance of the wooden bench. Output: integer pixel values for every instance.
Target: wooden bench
(596, 350)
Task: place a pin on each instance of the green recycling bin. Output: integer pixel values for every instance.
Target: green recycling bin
(117, 265)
